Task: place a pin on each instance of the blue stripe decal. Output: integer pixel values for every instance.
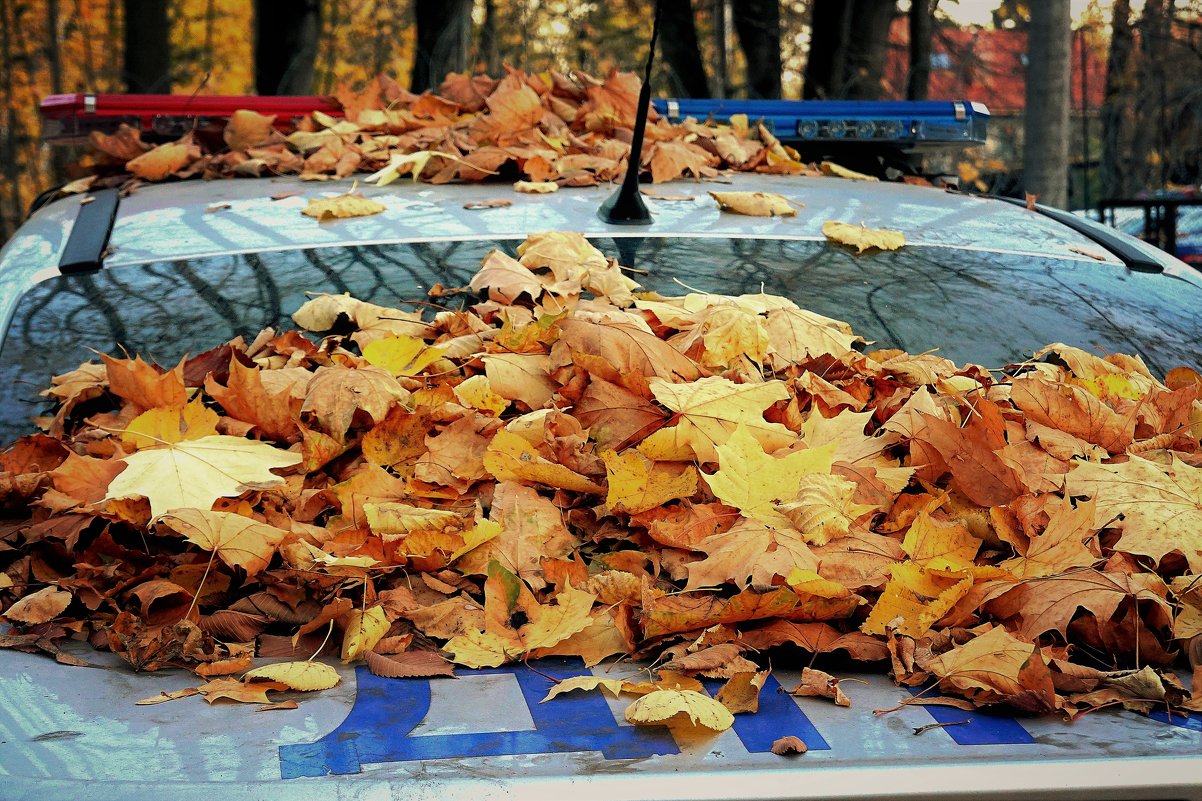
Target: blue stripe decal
(386, 711)
(1192, 721)
(983, 727)
(777, 717)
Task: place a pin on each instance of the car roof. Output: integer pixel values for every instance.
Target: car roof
(191, 219)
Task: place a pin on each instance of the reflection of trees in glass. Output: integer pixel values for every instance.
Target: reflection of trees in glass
(976, 306)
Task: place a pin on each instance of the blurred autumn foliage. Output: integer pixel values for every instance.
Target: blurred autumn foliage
(1143, 56)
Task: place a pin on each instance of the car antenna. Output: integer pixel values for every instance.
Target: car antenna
(626, 207)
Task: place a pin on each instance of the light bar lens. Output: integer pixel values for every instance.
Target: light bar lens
(920, 124)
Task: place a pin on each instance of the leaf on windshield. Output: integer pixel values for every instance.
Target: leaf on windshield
(861, 237)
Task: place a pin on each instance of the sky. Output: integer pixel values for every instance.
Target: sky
(977, 12)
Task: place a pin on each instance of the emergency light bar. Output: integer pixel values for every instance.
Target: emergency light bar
(902, 124)
(67, 118)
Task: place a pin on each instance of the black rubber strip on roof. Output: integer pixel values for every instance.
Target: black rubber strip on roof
(1134, 258)
(89, 237)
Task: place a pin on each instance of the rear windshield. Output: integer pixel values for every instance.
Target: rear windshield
(985, 307)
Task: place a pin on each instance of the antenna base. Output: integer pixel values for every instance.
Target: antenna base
(625, 208)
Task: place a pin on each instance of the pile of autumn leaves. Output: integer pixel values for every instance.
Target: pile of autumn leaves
(550, 129)
(573, 468)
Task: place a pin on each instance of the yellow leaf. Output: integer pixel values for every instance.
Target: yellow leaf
(661, 707)
(331, 561)
(637, 484)
(823, 508)
(940, 546)
(741, 693)
(511, 458)
(239, 541)
(861, 237)
(611, 686)
(831, 168)
(755, 204)
(246, 128)
(754, 482)
(709, 409)
(811, 583)
(170, 424)
(920, 597)
(477, 535)
(162, 162)
(194, 473)
(342, 206)
(395, 521)
(303, 676)
(536, 187)
(752, 550)
(413, 163)
(364, 628)
(1158, 507)
(477, 393)
(401, 355)
(479, 649)
(553, 623)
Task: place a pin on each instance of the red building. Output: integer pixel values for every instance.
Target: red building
(987, 65)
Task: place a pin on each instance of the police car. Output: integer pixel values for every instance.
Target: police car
(176, 265)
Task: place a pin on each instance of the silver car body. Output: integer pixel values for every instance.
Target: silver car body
(76, 732)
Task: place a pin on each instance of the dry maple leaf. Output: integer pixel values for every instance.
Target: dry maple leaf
(996, 666)
(352, 204)
(755, 204)
(239, 541)
(861, 237)
(1037, 606)
(817, 683)
(755, 482)
(664, 707)
(637, 484)
(194, 473)
(708, 412)
(1157, 507)
(545, 626)
(247, 128)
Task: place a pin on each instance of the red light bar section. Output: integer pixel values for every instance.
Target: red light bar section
(67, 118)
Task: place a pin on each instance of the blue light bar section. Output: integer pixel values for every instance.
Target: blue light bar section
(899, 124)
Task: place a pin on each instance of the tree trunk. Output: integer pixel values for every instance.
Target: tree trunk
(10, 211)
(830, 30)
(849, 41)
(286, 36)
(1151, 87)
(489, 52)
(682, 53)
(147, 49)
(442, 41)
(868, 48)
(1113, 170)
(757, 24)
(1046, 131)
(721, 71)
(922, 29)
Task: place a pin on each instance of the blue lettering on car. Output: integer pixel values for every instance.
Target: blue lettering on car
(387, 711)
